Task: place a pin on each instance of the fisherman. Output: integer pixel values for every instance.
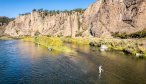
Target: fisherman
(100, 71)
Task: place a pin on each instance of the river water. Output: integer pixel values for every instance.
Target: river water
(27, 63)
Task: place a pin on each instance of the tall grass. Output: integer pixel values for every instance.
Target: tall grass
(139, 34)
(78, 41)
(129, 45)
(54, 43)
(5, 38)
(132, 46)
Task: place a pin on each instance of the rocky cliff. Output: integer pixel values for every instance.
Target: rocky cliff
(62, 24)
(108, 17)
(102, 18)
(2, 30)
(3, 23)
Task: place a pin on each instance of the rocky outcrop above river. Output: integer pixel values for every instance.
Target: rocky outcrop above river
(2, 30)
(107, 17)
(3, 23)
(102, 18)
(62, 24)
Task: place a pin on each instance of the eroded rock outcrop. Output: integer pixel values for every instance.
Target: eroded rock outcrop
(62, 24)
(3, 23)
(2, 30)
(117, 16)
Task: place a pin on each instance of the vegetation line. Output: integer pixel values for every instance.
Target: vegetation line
(54, 12)
(53, 43)
(128, 46)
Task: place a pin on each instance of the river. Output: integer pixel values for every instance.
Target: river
(27, 63)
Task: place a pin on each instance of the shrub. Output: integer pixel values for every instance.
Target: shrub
(5, 20)
(140, 34)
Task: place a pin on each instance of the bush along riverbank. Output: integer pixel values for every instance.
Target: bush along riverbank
(135, 47)
(52, 43)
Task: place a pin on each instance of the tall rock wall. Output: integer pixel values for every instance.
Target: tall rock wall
(2, 30)
(116, 16)
(62, 24)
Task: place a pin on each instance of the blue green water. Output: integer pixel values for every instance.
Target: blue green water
(27, 63)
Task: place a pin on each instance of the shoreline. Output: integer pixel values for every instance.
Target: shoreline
(135, 47)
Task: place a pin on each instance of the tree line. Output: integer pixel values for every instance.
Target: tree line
(54, 12)
(5, 20)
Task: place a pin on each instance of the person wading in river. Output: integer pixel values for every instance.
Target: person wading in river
(100, 71)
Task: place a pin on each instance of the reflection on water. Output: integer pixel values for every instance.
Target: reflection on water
(27, 63)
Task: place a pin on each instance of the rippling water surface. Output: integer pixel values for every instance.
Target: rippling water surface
(27, 63)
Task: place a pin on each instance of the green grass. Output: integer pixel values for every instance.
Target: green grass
(132, 46)
(139, 34)
(78, 41)
(50, 42)
(5, 38)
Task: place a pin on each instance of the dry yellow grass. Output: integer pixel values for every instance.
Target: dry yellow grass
(54, 43)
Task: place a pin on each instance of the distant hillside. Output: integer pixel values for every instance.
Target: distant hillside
(5, 20)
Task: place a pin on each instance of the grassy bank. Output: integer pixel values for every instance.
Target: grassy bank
(129, 46)
(5, 38)
(12, 38)
(53, 43)
(78, 41)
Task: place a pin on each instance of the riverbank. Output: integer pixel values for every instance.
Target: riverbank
(5, 38)
(11, 38)
(52, 43)
(136, 47)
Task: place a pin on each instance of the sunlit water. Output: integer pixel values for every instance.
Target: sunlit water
(27, 63)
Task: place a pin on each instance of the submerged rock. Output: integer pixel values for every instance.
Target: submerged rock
(127, 51)
(50, 49)
(139, 55)
(92, 44)
(103, 48)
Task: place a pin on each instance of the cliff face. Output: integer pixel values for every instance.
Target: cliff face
(3, 23)
(2, 30)
(117, 16)
(102, 18)
(62, 24)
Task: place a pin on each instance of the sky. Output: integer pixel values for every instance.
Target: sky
(12, 8)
